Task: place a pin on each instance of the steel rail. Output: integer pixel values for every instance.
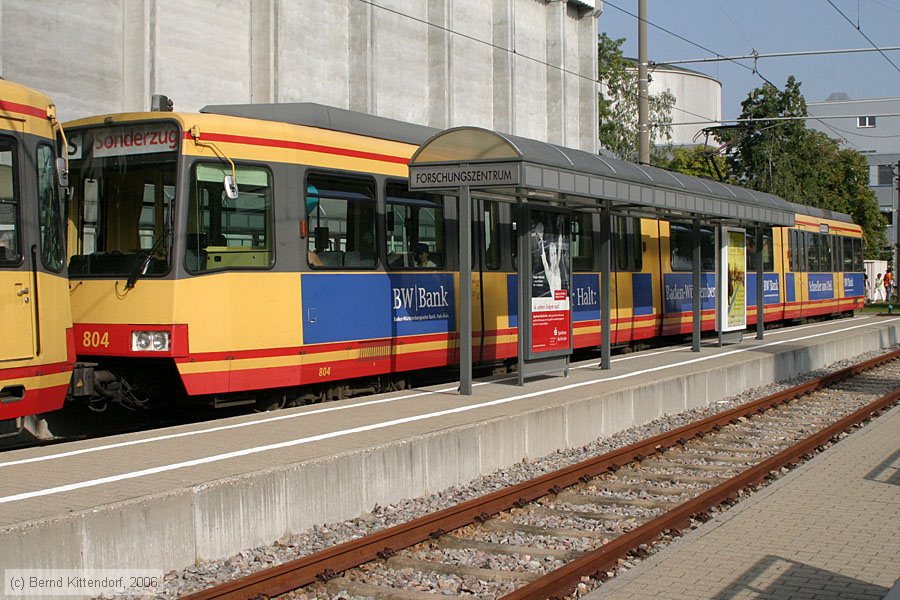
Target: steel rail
(562, 581)
(326, 564)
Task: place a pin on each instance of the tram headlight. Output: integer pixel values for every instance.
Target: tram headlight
(150, 341)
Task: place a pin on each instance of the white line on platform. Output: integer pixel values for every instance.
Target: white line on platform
(327, 409)
(283, 417)
(385, 424)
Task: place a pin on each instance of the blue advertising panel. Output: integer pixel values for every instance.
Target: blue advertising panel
(642, 286)
(512, 299)
(790, 290)
(770, 289)
(678, 292)
(585, 297)
(344, 307)
(821, 286)
(854, 284)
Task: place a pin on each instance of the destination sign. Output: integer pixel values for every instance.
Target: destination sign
(451, 176)
(125, 140)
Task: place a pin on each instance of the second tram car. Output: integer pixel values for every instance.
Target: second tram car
(36, 347)
(228, 259)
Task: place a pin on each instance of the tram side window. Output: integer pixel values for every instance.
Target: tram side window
(628, 244)
(825, 253)
(227, 234)
(797, 247)
(582, 242)
(852, 254)
(681, 239)
(493, 259)
(414, 228)
(9, 207)
(813, 262)
(340, 217)
(52, 241)
(768, 253)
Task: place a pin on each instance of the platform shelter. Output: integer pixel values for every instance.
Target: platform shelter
(548, 183)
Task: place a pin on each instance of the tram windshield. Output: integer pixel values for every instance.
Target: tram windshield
(123, 192)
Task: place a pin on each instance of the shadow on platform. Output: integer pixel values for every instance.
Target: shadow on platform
(777, 578)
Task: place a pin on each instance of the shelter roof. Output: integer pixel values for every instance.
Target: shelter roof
(584, 178)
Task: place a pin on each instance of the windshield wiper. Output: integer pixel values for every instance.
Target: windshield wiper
(145, 263)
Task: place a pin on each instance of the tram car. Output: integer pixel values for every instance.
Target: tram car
(274, 254)
(37, 353)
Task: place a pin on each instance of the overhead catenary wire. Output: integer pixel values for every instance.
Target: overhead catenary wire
(754, 70)
(862, 33)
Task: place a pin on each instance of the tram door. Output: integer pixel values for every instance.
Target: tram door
(631, 289)
(16, 310)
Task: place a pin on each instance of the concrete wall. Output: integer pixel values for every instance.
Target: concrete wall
(526, 67)
(218, 519)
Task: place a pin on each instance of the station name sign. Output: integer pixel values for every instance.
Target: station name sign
(451, 176)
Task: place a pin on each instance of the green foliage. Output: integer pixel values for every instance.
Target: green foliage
(618, 106)
(799, 164)
(699, 161)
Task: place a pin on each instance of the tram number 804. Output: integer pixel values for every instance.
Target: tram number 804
(324, 371)
(95, 339)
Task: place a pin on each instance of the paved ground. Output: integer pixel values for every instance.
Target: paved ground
(828, 530)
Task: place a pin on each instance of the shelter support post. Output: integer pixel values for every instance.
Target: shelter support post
(606, 285)
(465, 291)
(720, 273)
(523, 298)
(695, 298)
(760, 289)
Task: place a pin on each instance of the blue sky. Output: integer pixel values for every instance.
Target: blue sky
(737, 27)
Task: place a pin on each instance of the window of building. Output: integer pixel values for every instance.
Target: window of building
(888, 217)
(865, 121)
(414, 228)
(229, 234)
(885, 175)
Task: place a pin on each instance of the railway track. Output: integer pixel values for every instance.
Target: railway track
(544, 537)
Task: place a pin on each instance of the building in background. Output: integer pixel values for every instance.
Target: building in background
(527, 67)
(698, 97)
(863, 126)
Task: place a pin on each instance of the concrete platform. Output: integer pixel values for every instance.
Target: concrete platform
(165, 499)
(828, 530)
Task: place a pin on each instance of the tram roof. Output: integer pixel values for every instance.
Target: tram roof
(579, 178)
(820, 213)
(311, 114)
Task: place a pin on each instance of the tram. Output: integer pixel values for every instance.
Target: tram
(274, 254)
(37, 352)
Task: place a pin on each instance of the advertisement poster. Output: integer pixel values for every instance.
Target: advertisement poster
(735, 269)
(551, 282)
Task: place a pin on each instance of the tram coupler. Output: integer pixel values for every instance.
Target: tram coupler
(82, 384)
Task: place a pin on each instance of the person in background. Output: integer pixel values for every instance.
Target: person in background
(420, 257)
(878, 290)
(888, 284)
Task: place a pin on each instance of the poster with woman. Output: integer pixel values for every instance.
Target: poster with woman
(550, 281)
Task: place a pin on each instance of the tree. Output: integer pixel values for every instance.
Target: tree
(699, 161)
(618, 106)
(785, 158)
